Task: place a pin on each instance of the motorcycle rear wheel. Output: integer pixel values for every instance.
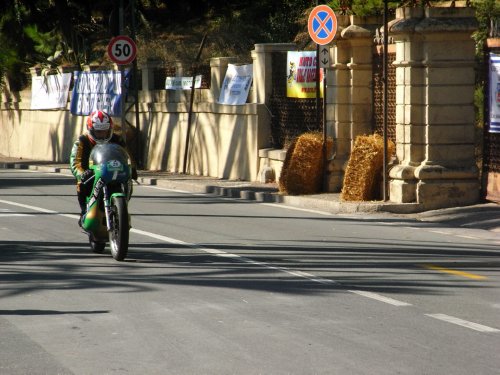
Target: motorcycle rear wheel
(119, 233)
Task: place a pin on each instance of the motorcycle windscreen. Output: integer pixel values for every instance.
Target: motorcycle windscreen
(112, 162)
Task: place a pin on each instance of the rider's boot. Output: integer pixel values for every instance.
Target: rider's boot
(83, 206)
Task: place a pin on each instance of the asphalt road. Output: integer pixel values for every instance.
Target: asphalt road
(221, 286)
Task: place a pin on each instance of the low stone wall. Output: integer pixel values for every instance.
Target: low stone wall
(37, 135)
(223, 142)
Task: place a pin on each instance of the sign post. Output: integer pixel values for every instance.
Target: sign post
(122, 51)
(322, 27)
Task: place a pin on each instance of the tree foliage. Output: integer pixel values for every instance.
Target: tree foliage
(54, 32)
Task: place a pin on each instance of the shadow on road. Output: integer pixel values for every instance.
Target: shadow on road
(31, 266)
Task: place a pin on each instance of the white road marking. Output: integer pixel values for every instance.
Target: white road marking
(301, 274)
(39, 209)
(167, 189)
(5, 212)
(468, 237)
(441, 232)
(34, 208)
(324, 213)
(380, 298)
(463, 323)
(221, 253)
(224, 254)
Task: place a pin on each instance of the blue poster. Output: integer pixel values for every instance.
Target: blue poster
(494, 93)
(98, 90)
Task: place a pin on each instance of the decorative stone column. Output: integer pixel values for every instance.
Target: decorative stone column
(341, 103)
(262, 57)
(434, 108)
(352, 63)
(148, 74)
(218, 68)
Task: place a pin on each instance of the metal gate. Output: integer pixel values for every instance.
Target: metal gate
(378, 94)
(290, 116)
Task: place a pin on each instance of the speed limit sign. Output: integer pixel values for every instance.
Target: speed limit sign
(122, 50)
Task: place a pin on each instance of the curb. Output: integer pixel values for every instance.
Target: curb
(326, 202)
(481, 216)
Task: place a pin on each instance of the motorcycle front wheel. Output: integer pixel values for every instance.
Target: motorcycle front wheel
(119, 233)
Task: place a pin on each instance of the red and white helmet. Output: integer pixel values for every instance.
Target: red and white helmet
(99, 127)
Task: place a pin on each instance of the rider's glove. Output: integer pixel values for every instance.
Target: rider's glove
(134, 173)
(86, 175)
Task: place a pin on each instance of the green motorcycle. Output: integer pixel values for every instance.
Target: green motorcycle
(107, 216)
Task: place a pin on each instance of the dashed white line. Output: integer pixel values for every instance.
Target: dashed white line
(380, 298)
(463, 323)
(39, 209)
(224, 254)
(301, 274)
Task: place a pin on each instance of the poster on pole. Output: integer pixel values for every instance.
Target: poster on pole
(494, 93)
(236, 84)
(50, 91)
(98, 90)
(301, 75)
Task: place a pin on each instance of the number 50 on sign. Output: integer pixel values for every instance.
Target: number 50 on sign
(122, 50)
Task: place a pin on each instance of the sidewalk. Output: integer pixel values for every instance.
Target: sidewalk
(481, 216)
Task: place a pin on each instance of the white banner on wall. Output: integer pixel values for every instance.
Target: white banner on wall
(50, 92)
(182, 83)
(97, 90)
(236, 84)
(494, 93)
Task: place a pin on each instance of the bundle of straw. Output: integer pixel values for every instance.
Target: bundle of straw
(363, 172)
(303, 171)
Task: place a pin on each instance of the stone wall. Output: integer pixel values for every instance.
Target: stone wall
(224, 140)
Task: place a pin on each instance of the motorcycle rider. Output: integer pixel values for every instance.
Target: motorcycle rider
(99, 130)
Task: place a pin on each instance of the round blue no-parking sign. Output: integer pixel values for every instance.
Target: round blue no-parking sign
(322, 24)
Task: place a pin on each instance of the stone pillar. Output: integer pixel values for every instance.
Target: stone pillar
(360, 35)
(148, 74)
(341, 103)
(435, 119)
(352, 63)
(218, 68)
(410, 104)
(262, 57)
